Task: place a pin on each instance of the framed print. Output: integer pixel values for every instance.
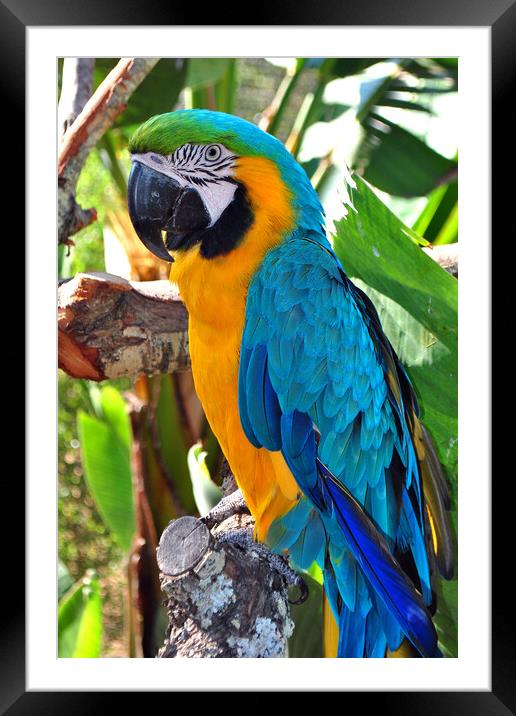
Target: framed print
(289, 56)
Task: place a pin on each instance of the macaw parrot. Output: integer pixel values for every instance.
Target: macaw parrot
(312, 408)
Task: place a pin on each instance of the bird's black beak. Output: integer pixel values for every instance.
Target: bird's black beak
(158, 203)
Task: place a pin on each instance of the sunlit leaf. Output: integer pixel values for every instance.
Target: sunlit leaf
(434, 221)
(80, 621)
(106, 461)
(115, 412)
(316, 573)
(206, 492)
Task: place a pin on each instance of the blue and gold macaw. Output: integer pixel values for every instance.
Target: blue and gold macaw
(311, 406)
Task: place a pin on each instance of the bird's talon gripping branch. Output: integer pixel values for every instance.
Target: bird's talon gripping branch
(233, 504)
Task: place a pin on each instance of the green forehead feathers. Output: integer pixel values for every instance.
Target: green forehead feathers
(164, 133)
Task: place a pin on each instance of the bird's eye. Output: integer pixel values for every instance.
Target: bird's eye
(213, 152)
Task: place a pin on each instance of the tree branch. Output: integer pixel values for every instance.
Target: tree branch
(101, 110)
(75, 90)
(109, 327)
(113, 328)
(223, 600)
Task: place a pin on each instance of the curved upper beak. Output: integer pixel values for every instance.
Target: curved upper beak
(158, 203)
(151, 197)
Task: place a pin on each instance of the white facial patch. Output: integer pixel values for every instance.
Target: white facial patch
(207, 168)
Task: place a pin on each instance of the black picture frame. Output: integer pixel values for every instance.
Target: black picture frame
(500, 16)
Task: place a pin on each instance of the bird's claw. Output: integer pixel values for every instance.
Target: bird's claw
(232, 504)
(303, 590)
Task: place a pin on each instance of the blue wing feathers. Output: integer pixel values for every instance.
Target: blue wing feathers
(261, 416)
(307, 547)
(314, 359)
(243, 402)
(381, 569)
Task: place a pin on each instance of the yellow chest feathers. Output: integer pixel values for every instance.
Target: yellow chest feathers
(214, 291)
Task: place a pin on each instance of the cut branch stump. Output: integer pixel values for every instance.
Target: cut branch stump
(222, 599)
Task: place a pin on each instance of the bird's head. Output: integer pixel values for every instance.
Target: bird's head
(203, 179)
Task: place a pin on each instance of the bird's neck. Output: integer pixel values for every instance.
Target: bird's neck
(215, 289)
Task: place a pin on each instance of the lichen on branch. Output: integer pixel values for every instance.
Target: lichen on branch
(223, 600)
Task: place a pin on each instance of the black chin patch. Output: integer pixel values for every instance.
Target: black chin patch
(189, 213)
(230, 229)
(189, 217)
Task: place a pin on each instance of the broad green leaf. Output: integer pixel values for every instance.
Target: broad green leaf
(80, 621)
(94, 396)
(438, 222)
(417, 304)
(115, 412)
(107, 467)
(316, 573)
(307, 639)
(398, 162)
(206, 492)
(450, 229)
(374, 246)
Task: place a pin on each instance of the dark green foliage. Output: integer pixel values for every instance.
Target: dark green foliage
(397, 162)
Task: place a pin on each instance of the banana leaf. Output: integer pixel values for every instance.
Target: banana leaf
(417, 304)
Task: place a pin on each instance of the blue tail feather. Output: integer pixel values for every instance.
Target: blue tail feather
(382, 571)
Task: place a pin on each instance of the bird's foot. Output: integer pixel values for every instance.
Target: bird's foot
(243, 537)
(229, 505)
